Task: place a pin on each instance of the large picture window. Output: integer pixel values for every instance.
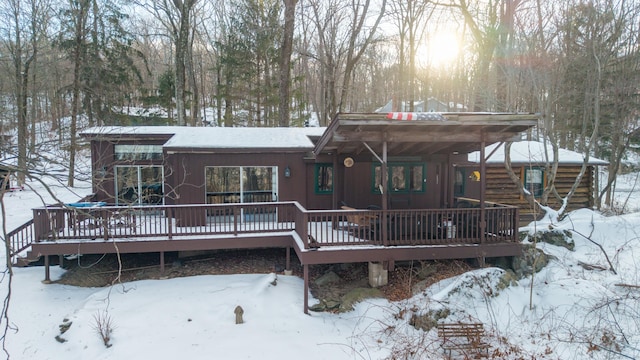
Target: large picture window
(139, 185)
(246, 184)
(534, 181)
(324, 178)
(403, 177)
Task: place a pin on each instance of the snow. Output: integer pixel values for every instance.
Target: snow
(534, 152)
(219, 137)
(565, 311)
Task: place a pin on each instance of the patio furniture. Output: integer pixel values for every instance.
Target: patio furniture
(360, 223)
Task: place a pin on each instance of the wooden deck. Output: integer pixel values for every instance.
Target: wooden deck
(317, 236)
(172, 228)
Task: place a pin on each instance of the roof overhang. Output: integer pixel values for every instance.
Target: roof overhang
(440, 133)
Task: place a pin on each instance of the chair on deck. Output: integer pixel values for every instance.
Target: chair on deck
(360, 223)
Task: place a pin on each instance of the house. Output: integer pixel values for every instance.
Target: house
(530, 161)
(376, 188)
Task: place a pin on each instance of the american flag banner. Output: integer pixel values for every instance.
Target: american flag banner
(428, 116)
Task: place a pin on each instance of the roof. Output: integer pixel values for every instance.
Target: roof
(180, 137)
(527, 152)
(428, 133)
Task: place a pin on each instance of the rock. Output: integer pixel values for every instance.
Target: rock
(420, 286)
(356, 295)
(554, 237)
(532, 260)
(328, 278)
(507, 279)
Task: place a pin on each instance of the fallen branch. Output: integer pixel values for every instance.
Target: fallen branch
(629, 286)
(591, 266)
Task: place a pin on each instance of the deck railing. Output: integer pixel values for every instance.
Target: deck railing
(21, 237)
(412, 227)
(315, 228)
(109, 222)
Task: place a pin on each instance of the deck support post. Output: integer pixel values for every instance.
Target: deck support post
(306, 288)
(47, 270)
(378, 274)
(287, 265)
(482, 261)
(162, 262)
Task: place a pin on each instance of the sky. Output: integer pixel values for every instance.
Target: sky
(565, 311)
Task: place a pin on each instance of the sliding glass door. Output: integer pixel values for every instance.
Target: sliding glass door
(139, 185)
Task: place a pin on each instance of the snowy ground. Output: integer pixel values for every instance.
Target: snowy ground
(564, 312)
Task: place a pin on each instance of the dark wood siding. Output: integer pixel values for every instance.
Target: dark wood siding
(501, 189)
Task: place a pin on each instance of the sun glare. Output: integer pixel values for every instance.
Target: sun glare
(438, 50)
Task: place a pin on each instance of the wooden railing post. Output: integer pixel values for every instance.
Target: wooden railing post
(169, 217)
(235, 219)
(385, 227)
(104, 217)
(38, 225)
(516, 225)
(304, 232)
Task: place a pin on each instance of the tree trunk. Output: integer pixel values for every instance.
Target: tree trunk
(78, 58)
(285, 62)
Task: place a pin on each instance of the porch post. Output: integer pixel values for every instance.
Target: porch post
(384, 177)
(162, 262)
(483, 186)
(385, 192)
(337, 178)
(306, 288)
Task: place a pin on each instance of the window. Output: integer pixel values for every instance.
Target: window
(534, 181)
(233, 184)
(138, 152)
(458, 183)
(324, 178)
(403, 178)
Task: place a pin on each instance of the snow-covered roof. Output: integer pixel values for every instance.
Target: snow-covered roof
(533, 152)
(220, 137)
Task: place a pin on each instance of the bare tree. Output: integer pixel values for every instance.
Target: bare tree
(22, 34)
(411, 18)
(343, 33)
(359, 39)
(177, 18)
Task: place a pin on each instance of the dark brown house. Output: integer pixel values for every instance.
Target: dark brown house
(375, 188)
(530, 160)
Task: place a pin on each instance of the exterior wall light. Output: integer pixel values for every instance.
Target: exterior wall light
(287, 172)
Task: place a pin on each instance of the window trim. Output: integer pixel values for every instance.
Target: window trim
(525, 176)
(316, 172)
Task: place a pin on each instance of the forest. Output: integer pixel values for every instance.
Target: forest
(68, 64)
